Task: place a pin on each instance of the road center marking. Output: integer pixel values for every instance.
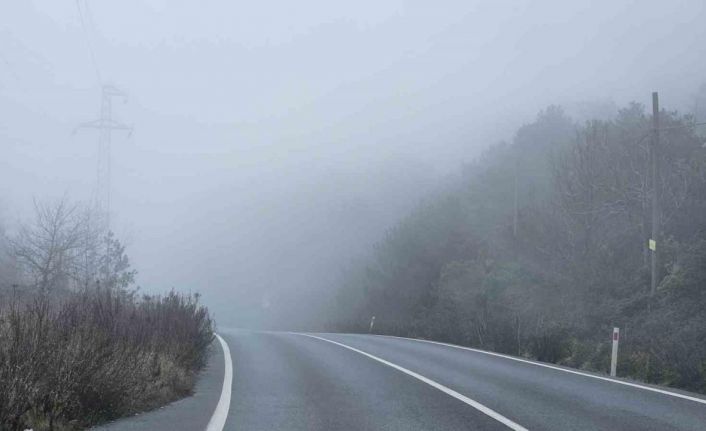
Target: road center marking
(539, 364)
(218, 420)
(475, 404)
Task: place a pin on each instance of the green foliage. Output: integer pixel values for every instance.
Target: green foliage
(114, 265)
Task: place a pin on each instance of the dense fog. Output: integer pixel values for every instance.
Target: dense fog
(276, 142)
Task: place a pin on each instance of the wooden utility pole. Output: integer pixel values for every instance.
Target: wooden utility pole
(515, 209)
(654, 156)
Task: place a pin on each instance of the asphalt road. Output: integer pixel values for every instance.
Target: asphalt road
(294, 382)
(285, 381)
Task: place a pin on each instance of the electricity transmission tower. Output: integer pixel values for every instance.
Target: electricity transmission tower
(105, 126)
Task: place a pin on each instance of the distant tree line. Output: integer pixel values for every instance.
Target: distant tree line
(78, 344)
(541, 247)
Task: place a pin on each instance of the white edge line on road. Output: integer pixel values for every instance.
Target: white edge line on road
(539, 364)
(218, 420)
(475, 404)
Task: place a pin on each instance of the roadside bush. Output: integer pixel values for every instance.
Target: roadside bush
(96, 355)
(551, 345)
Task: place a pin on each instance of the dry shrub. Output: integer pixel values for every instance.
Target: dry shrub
(97, 355)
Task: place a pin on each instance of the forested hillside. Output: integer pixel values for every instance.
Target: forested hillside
(541, 247)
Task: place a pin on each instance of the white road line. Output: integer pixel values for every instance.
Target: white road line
(475, 404)
(218, 420)
(539, 364)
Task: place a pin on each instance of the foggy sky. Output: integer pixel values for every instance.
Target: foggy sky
(275, 141)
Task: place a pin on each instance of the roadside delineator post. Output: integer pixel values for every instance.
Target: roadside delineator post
(372, 323)
(614, 354)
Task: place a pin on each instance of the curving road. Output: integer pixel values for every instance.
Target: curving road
(287, 381)
(296, 382)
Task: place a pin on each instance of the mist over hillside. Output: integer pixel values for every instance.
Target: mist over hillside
(275, 143)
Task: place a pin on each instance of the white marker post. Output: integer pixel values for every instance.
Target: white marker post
(614, 354)
(372, 323)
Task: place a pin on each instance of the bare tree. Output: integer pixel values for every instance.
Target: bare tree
(49, 249)
(8, 275)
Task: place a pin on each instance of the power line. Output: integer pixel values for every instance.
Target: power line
(89, 14)
(686, 126)
(7, 63)
(10, 69)
(88, 41)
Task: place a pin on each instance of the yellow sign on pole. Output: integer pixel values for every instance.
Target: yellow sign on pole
(653, 245)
